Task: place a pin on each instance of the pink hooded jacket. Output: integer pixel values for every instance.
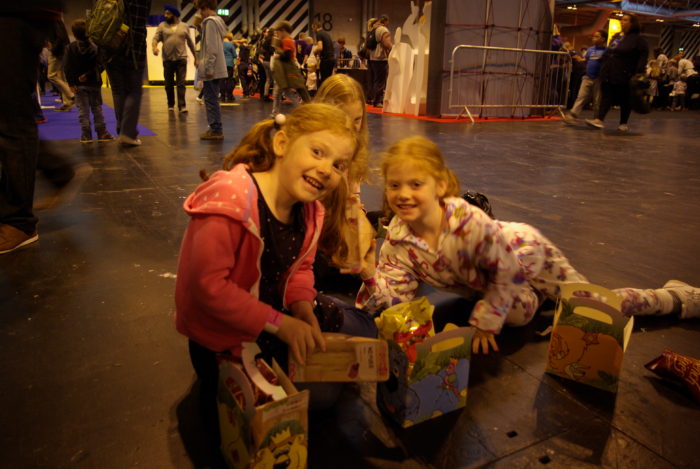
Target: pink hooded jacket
(218, 277)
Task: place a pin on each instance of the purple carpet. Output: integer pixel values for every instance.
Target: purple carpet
(65, 125)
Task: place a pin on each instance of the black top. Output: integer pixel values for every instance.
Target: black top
(624, 58)
(81, 59)
(281, 245)
(328, 52)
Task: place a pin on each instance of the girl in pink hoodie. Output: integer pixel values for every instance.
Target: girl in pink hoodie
(244, 272)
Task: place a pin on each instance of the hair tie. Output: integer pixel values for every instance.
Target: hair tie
(279, 119)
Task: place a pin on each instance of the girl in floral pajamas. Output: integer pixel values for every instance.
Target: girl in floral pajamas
(438, 238)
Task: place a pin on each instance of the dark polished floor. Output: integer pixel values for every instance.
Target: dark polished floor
(94, 374)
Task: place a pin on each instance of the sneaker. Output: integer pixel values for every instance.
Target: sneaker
(64, 108)
(105, 137)
(210, 135)
(86, 139)
(199, 100)
(11, 238)
(595, 123)
(171, 108)
(689, 297)
(128, 141)
(569, 118)
(183, 110)
(623, 128)
(66, 193)
(43, 120)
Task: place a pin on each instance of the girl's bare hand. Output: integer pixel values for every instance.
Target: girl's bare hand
(483, 339)
(298, 335)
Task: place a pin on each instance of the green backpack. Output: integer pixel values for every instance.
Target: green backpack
(105, 25)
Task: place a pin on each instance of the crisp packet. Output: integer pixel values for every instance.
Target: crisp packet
(407, 324)
(678, 367)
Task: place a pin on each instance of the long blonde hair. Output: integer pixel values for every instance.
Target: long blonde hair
(427, 156)
(255, 148)
(343, 90)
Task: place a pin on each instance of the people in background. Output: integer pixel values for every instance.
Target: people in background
(589, 90)
(379, 61)
(83, 73)
(212, 66)
(324, 50)
(175, 36)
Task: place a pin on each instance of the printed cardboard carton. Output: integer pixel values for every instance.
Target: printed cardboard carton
(347, 358)
(589, 336)
(437, 382)
(266, 435)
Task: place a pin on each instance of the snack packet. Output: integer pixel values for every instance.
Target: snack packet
(407, 324)
(678, 368)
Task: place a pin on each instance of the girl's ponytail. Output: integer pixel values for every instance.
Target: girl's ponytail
(255, 148)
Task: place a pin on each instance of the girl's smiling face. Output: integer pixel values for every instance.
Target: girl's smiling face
(312, 165)
(414, 195)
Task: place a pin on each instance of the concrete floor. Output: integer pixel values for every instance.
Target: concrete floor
(94, 374)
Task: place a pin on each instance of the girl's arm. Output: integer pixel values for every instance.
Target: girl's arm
(387, 283)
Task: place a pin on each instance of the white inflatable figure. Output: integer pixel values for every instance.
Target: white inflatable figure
(418, 87)
(397, 67)
(407, 78)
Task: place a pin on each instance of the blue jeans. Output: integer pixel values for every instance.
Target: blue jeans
(126, 82)
(211, 102)
(89, 98)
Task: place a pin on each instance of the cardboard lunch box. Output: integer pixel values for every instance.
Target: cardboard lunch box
(589, 336)
(271, 434)
(346, 359)
(428, 373)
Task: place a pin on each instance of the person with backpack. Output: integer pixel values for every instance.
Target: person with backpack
(125, 67)
(379, 60)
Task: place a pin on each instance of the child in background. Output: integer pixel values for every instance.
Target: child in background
(438, 238)
(678, 93)
(311, 79)
(230, 81)
(84, 78)
(285, 68)
(244, 272)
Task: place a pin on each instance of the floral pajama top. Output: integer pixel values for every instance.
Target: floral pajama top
(476, 256)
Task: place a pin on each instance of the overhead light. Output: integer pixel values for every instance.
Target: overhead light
(659, 20)
(696, 25)
(571, 7)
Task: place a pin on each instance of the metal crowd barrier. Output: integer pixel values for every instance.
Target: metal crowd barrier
(522, 80)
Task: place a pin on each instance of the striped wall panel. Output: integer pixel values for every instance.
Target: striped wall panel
(666, 40)
(690, 42)
(247, 16)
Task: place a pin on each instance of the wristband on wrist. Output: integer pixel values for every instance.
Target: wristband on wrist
(272, 325)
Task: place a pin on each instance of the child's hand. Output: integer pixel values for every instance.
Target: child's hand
(369, 263)
(299, 336)
(484, 339)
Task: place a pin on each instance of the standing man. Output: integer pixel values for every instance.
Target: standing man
(325, 51)
(174, 35)
(212, 65)
(589, 90)
(125, 71)
(379, 60)
(25, 27)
